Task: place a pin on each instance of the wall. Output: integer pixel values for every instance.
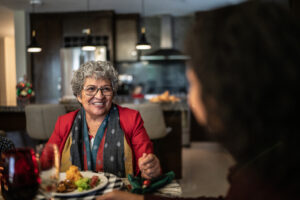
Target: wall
(20, 40)
(7, 71)
(126, 37)
(2, 74)
(7, 58)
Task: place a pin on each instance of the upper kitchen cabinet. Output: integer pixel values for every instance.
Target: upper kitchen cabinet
(126, 37)
(100, 23)
(51, 30)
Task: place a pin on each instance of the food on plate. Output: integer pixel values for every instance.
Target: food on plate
(87, 183)
(73, 173)
(74, 180)
(66, 186)
(164, 97)
(94, 181)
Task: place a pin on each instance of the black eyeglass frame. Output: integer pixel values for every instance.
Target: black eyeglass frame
(101, 89)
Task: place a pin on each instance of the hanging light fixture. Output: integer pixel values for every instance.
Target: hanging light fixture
(34, 47)
(88, 44)
(143, 44)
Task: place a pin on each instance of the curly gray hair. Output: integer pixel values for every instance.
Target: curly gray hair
(96, 69)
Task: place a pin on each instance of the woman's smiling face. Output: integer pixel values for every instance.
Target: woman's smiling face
(98, 105)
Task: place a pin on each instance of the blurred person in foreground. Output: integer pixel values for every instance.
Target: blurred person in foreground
(243, 74)
(102, 136)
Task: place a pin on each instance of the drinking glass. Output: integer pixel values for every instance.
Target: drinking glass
(19, 174)
(49, 168)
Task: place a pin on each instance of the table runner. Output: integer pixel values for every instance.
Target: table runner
(114, 183)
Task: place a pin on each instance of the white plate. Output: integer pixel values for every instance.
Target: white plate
(88, 174)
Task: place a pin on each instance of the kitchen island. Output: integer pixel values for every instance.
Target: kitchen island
(12, 118)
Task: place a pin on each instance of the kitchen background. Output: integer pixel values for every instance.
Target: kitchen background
(56, 22)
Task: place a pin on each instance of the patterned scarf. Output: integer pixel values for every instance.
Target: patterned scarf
(113, 153)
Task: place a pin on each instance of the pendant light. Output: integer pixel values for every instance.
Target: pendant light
(34, 47)
(143, 44)
(88, 44)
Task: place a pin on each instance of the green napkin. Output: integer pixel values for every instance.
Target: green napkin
(156, 183)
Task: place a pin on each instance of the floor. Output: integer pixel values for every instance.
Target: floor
(205, 166)
(205, 169)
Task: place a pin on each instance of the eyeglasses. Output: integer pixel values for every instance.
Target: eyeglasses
(93, 90)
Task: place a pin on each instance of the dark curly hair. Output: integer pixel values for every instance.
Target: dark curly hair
(247, 58)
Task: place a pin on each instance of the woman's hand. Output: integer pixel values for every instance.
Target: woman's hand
(149, 166)
(120, 195)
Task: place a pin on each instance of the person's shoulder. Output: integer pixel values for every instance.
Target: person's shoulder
(69, 116)
(126, 111)
(128, 117)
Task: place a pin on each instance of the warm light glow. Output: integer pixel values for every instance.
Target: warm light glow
(33, 33)
(143, 30)
(34, 49)
(143, 46)
(88, 48)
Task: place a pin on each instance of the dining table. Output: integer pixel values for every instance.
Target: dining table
(173, 189)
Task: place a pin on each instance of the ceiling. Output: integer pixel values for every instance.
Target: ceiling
(151, 7)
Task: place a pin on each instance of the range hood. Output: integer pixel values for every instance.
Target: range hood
(166, 51)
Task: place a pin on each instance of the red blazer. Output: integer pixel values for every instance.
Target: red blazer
(131, 123)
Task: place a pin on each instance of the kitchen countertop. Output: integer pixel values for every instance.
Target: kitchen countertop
(172, 106)
(72, 104)
(11, 109)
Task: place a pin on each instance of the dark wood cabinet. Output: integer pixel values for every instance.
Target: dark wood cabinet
(168, 149)
(45, 66)
(126, 37)
(51, 28)
(101, 24)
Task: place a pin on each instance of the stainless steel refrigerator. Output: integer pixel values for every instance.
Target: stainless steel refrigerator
(71, 59)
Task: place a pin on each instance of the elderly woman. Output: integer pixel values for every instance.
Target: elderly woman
(102, 136)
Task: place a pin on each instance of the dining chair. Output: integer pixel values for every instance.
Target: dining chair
(41, 119)
(153, 118)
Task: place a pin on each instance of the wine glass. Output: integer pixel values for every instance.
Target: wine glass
(49, 168)
(19, 174)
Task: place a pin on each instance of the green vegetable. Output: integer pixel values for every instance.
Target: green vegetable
(83, 184)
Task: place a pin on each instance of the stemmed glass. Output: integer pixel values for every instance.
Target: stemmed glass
(19, 174)
(49, 168)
